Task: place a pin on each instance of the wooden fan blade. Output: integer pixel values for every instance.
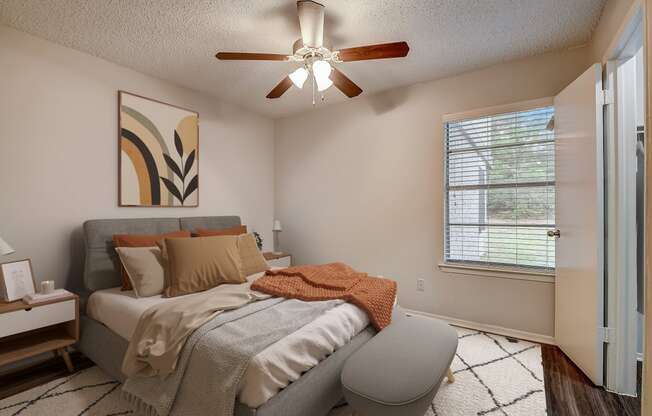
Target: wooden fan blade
(243, 56)
(344, 84)
(380, 51)
(280, 89)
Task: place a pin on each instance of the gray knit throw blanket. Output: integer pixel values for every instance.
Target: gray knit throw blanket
(215, 358)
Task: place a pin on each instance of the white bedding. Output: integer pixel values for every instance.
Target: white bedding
(269, 371)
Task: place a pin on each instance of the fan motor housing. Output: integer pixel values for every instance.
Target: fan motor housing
(302, 53)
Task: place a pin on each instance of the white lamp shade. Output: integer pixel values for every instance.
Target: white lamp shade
(277, 226)
(5, 248)
(299, 76)
(322, 70)
(324, 84)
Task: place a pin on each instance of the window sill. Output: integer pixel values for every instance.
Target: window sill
(517, 274)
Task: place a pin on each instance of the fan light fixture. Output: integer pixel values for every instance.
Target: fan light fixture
(299, 77)
(321, 70)
(316, 57)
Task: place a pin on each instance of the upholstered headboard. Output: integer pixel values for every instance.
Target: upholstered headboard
(101, 267)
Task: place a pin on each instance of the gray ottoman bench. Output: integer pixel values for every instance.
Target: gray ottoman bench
(398, 372)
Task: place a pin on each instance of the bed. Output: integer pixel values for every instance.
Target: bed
(111, 316)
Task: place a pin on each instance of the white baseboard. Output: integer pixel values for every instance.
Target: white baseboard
(493, 329)
(639, 356)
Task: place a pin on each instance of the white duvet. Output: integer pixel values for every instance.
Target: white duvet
(269, 371)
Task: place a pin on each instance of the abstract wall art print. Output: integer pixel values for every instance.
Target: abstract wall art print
(159, 153)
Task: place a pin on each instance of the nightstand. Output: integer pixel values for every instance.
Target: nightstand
(48, 326)
(278, 260)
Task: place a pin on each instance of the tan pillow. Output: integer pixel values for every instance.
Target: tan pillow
(144, 268)
(252, 259)
(201, 263)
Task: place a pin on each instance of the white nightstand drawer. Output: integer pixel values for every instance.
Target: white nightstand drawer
(282, 262)
(38, 317)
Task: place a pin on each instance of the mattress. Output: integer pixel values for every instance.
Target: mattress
(270, 370)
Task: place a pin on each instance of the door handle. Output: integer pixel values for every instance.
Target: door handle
(554, 233)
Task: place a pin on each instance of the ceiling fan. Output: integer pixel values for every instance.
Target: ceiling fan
(316, 59)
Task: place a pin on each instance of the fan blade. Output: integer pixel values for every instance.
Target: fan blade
(311, 20)
(242, 56)
(344, 84)
(380, 51)
(280, 89)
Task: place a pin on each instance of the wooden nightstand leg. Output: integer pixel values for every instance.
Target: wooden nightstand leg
(66, 358)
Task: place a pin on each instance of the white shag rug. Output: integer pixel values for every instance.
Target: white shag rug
(493, 377)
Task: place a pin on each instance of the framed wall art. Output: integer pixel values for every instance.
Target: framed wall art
(159, 153)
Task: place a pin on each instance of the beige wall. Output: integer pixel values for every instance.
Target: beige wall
(58, 152)
(362, 182)
(613, 16)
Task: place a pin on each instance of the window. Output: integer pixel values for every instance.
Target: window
(500, 190)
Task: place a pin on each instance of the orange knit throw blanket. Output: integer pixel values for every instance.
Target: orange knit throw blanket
(374, 295)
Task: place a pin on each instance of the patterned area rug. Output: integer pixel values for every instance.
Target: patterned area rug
(493, 377)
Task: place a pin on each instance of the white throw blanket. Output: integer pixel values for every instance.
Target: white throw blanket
(286, 360)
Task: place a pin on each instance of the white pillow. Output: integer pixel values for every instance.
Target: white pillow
(144, 266)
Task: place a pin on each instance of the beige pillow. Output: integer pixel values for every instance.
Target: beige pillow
(144, 267)
(252, 259)
(200, 263)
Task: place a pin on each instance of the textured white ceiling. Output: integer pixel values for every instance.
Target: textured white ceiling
(177, 40)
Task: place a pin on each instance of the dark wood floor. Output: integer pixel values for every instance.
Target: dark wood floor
(568, 391)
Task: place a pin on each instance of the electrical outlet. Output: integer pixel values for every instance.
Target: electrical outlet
(420, 283)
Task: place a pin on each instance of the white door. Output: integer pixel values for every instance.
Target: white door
(579, 281)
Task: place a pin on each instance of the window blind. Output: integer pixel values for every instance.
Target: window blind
(500, 190)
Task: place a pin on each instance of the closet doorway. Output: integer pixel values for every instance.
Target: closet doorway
(625, 136)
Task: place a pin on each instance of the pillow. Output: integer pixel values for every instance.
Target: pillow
(144, 266)
(198, 264)
(135, 240)
(164, 260)
(202, 232)
(252, 259)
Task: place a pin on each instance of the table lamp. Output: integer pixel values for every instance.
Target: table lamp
(5, 248)
(277, 229)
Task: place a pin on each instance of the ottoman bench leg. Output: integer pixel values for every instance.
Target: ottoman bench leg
(450, 376)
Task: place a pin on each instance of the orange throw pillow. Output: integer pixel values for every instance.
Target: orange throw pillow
(202, 232)
(135, 240)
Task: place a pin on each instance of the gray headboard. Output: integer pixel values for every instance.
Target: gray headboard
(101, 267)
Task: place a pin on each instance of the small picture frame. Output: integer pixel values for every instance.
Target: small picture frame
(16, 280)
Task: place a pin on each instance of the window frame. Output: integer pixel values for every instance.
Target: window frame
(470, 268)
